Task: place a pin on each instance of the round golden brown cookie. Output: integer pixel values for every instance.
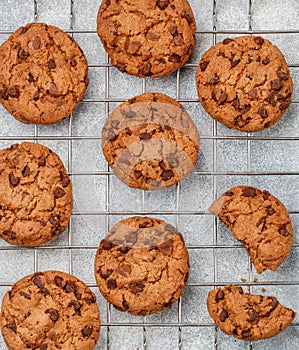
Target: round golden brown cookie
(150, 142)
(43, 74)
(35, 195)
(247, 316)
(149, 38)
(50, 310)
(244, 83)
(142, 265)
(258, 220)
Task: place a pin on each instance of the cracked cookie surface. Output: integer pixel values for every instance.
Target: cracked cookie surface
(43, 74)
(258, 220)
(150, 142)
(244, 83)
(35, 195)
(50, 310)
(151, 38)
(142, 265)
(247, 316)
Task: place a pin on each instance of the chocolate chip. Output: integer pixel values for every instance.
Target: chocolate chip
(54, 219)
(259, 40)
(274, 303)
(70, 287)
(162, 4)
(270, 211)
(166, 248)
(178, 40)
(236, 103)
(73, 62)
(44, 291)
(284, 105)
(235, 63)
(144, 224)
(167, 175)
(229, 193)
(124, 270)
(108, 2)
(266, 195)
(130, 114)
(266, 61)
(125, 305)
(44, 347)
(76, 305)
(112, 284)
(10, 234)
(248, 192)
(282, 75)
(271, 98)
(12, 327)
(222, 98)
(30, 78)
(121, 67)
(152, 36)
(219, 295)
(111, 136)
(78, 295)
(276, 85)
(25, 295)
(137, 288)
(124, 250)
(23, 30)
(59, 193)
(252, 94)
(4, 94)
(214, 80)
(36, 43)
(175, 58)
(106, 245)
(53, 90)
(280, 97)
(37, 281)
(14, 180)
(51, 64)
(246, 334)
(253, 315)
(258, 59)
(115, 124)
(106, 274)
(58, 281)
(262, 221)
(203, 65)
(262, 112)
(187, 16)
(240, 290)
(26, 171)
(86, 331)
(145, 136)
(13, 92)
(227, 41)
(146, 70)
(22, 54)
(283, 231)
(132, 238)
(223, 315)
(65, 180)
(36, 96)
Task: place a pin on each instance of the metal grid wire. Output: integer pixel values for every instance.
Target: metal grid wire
(144, 323)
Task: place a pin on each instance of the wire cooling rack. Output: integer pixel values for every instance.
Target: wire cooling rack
(268, 159)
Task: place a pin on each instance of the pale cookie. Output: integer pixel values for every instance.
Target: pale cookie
(142, 265)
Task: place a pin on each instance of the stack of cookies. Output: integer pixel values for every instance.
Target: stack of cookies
(150, 142)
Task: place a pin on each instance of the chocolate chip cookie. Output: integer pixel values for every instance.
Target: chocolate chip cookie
(258, 220)
(35, 195)
(150, 142)
(149, 38)
(43, 74)
(50, 310)
(244, 83)
(247, 316)
(142, 265)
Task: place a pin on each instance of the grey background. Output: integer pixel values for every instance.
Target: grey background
(267, 159)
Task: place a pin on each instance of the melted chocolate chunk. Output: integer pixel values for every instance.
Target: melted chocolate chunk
(223, 315)
(87, 331)
(58, 281)
(137, 288)
(248, 192)
(54, 315)
(59, 193)
(112, 284)
(203, 65)
(219, 295)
